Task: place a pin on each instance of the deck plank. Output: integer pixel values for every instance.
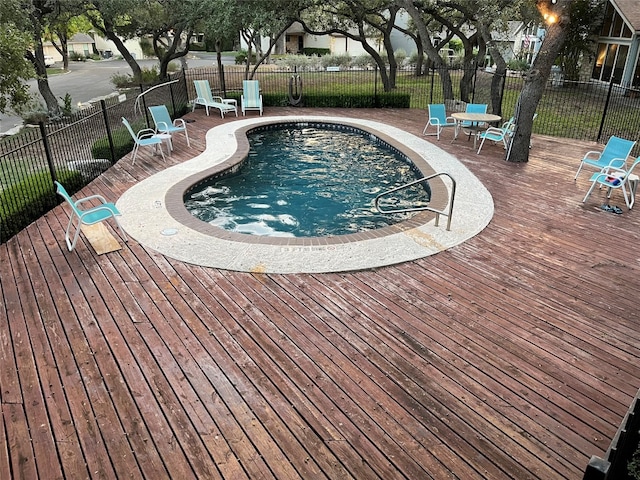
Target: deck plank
(511, 356)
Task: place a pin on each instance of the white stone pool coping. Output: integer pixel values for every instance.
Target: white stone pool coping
(146, 218)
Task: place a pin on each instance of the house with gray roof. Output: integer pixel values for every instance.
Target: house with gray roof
(618, 52)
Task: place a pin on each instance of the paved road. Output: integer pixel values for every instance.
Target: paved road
(91, 80)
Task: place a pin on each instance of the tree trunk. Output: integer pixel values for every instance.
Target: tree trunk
(133, 64)
(536, 80)
(499, 76)
(43, 81)
(223, 84)
(432, 53)
(419, 71)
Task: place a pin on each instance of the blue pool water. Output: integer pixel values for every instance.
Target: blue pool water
(307, 181)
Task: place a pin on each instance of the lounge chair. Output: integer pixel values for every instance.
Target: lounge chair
(616, 178)
(208, 100)
(144, 138)
(90, 216)
(251, 97)
(163, 122)
(497, 134)
(438, 118)
(615, 154)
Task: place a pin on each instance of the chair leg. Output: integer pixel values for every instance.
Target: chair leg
(122, 232)
(186, 134)
(159, 145)
(135, 152)
(593, 184)
(578, 172)
(481, 144)
(71, 244)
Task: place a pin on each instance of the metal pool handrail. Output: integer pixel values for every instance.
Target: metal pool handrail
(416, 209)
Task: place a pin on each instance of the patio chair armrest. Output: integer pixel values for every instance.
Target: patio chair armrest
(618, 163)
(217, 98)
(588, 155)
(161, 126)
(99, 208)
(492, 131)
(178, 122)
(146, 132)
(90, 197)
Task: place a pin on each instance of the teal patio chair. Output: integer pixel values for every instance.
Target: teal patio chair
(90, 216)
(497, 134)
(472, 128)
(251, 98)
(438, 118)
(208, 100)
(163, 123)
(615, 154)
(474, 108)
(144, 138)
(616, 178)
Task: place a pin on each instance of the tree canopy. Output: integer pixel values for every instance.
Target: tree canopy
(170, 25)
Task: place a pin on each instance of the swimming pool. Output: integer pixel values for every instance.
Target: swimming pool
(309, 180)
(153, 211)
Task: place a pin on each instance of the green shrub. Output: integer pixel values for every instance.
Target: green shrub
(316, 51)
(347, 100)
(76, 57)
(241, 57)
(197, 47)
(517, 64)
(149, 77)
(26, 201)
(121, 80)
(122, 144)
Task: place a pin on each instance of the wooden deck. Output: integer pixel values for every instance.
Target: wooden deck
(514, 355)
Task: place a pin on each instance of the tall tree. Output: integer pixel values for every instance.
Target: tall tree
(39, 13)
(170, 23)
(67, 21)
(219, 22)
(116, 19)
(265, 19)
(15, 69)
(368, 22)
(416, 10)
(558, 19)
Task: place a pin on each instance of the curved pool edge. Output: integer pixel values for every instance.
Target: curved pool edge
(148, 206)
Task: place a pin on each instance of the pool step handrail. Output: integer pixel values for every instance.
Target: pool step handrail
(448, 213)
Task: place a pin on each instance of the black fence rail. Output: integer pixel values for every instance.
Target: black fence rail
(75, 149)
(616, 463)
(585, 110)
(83, 145)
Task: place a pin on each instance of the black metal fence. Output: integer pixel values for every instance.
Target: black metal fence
(75, 149)
(584, 110)
(82, 146)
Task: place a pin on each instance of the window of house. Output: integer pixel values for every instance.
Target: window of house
(613, 25)
(610, 62)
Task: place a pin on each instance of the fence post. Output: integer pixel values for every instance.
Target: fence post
(107, 125)
(186, 87)
(375, 86)
(432, 67)
(604, 111)
(47, 150)
(173, 100)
